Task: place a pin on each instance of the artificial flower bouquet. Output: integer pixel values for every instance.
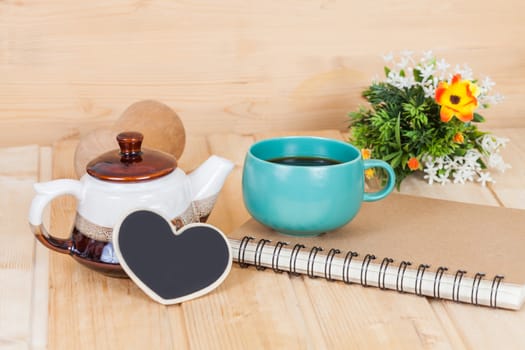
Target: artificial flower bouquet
(423, 117)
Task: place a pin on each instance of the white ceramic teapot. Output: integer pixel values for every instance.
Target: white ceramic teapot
(118, 182)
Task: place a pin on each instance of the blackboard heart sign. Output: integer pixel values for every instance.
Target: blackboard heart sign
(171, 266)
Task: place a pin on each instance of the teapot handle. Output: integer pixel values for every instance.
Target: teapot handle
(46, 192)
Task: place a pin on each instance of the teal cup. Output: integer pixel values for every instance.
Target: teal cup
(304, 186)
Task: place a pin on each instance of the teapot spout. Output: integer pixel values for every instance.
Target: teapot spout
(206, 183)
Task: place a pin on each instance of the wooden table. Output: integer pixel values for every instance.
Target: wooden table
(47, 298)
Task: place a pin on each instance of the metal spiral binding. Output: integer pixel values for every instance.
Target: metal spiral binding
(258, 254)
(242, 251)
(365, 265)
(475, 287)
(382, 272)
(437, 280)
(456, 286)
(328, 264)
(401, 273)
(494, 292)
(364, 271)
(346, 266)
(419, 278)
(311, 261)
(276, 254)
(293, 258)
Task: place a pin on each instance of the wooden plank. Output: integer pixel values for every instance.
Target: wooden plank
(90, 310)
(232, 147)
(242, 291)
(40, 286)
(195, 153)
(251, 310)
(372, 318)
(263, 309)
(225, 318)
(235, 67)
(17, 246)
(328, 133)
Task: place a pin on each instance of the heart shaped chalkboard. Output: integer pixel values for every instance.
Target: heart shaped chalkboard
(171, 267)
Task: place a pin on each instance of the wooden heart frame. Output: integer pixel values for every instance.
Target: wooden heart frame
(127, 245)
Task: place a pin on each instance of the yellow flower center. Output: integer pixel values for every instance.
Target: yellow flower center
(454, 99)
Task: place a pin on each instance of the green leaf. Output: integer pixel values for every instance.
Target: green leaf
(390, 156)
(417, 75)
(387, 71)
(478, 118)
(404, 160)
(402, 73)
(397, 160)
(398, 131)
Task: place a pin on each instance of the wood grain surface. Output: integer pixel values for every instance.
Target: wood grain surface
(238, 66)
(251, 309)
(23, 263)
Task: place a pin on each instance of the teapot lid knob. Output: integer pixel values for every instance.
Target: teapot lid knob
(130, 143)
(131, 163)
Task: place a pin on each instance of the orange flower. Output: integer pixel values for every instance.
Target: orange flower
(413, 164)
(458, 138)
(366, 153)
(457, 99)
(370, 173)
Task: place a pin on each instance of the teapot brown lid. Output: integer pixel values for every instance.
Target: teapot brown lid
(131, 163)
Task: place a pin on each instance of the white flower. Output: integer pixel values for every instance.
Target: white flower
(497, 98)
(495, 161)
(484, 177)
(388, 57)
(443, 179)
(471, 159)
(465, 71)
(485, 142)
(442, 66)
(468, 174)
(458, 177)
(439, 70)
(429, 90)
(407, 54)
(396, 79)
(430, 169)
(427, 56)
(427, 72)
(403, 64)
(490, 143)
(486, 85)
(462, 169)
(440, 161)
(486, 100)
(501, 141)
(431, 176)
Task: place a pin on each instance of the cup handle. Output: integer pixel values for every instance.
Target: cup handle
(46, 192)
(385, 191)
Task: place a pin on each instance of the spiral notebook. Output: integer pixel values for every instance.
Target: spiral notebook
(442, 249)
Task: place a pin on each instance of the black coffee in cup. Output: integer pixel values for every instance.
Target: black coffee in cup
(304, 161)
